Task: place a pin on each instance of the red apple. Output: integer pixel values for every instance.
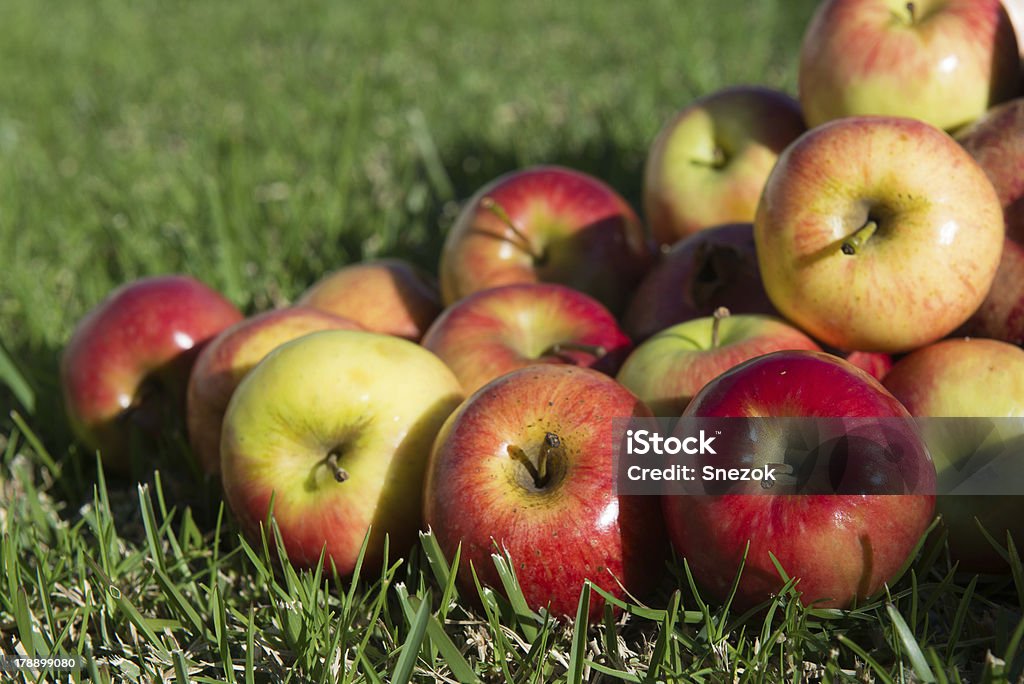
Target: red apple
(878, 234)
(546, 224)
(525, 466)
(1001, 315)
(712, 268)
(387, 296)
(996, 141)
(496, 331)
(962, 378)
(709, 163)
(229, 357)
(666, 371)
(876, 364)
(842, 547)
(128, 361)
(941, 61)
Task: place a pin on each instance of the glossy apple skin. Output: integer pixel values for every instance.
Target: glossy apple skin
(576, 528)
(967, 378)
(666, 371)
(336, 390)
(585, 235)
(714, 267)
(227, 359)
(928, 266)
(863, 57)
(496, 331)
(842, 547)
(875, 364)
(387, 295)
(708, 165)
(128, 360)
(1001, 315)
(996, 141)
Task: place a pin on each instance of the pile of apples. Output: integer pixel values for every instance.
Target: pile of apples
(838, 255)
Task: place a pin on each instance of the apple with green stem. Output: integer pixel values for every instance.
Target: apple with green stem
(229, 357)
(708, 165)
(546, 224)
(714, 267)
(525, 467)
(963, 378)
(386, 295)
(667, 370)
(841, 547)
(944, 62)
(334, 430)
(496, 331)
(124, 370)
(878, 234)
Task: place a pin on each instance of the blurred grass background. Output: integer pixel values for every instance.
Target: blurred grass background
(258, 145)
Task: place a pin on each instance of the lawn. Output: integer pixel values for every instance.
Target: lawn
(259, 145)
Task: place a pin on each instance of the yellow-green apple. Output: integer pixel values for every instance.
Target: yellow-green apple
(546, 224)
(712, 268)
(495, 331)
(667, 370)
(387, 295)
(967, 378)
(334, 429)
(878, 234)
(708, 165)
(525, 466)
(223, 363)
(126, 366)
(941, 61)
(841, 547)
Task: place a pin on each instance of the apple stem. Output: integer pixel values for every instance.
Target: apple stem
(540, 473)
(717, 159)
(720, 313)
(340, 474)
(560, 347)
(855, 242)
(912, 11)
(495, 208)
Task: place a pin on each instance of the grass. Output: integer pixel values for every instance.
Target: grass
(258, 146)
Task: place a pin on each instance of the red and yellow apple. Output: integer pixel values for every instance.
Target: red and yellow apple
(878, 234)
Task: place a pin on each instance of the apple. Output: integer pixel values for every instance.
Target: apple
(842, 547)
(708, 165)
(878, 234)
(876, 364)
(996, 141)
(967, 378)
(127, 363)
(667, 370)
(525, 466)
(496, 331)
(546, 224)
(941, 61)
(223, 363)
(335, 428)
(714, 267)
(387, 295)
(1001, 315)
(1015, 8)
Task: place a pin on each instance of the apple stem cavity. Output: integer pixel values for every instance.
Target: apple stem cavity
(491, 205)
(717, 161)
(340, 474)
(550, 451)
(853, 244)
(716, 322)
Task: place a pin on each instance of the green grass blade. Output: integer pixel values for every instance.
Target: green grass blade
(16, 381)
(879, 671)
(910, 645)
(411, 646)
(578, 654)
